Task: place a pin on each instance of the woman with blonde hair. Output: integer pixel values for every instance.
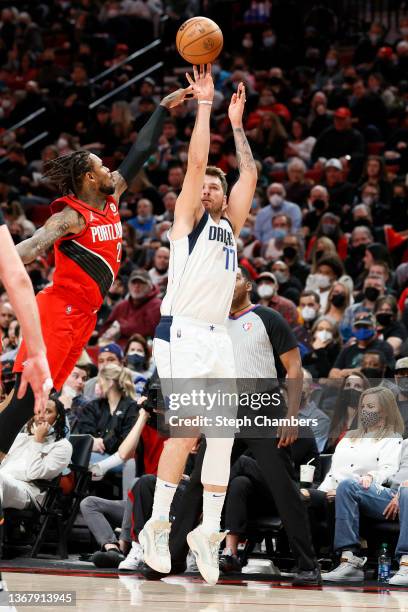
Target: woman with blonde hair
(122, 120)
(109, 418)
(364, 460)
(322, 247)
(338, 300)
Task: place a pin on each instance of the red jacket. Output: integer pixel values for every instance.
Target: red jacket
(141, 318)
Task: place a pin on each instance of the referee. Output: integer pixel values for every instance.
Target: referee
(258, 334)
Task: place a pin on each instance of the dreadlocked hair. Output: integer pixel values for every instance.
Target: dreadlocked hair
(67, 171)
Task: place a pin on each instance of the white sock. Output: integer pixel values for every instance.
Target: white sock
(212, 508)
(163, 496)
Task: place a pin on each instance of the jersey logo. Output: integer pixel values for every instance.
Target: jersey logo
(68, 309)
(92, 217)
(113, 207)
(247, 326)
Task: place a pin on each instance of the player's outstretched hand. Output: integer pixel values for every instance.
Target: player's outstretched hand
(175, 98)
(237, 105)
(37, 374)
(202, 84)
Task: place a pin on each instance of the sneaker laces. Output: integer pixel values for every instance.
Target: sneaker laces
(214, 542)
(161, 541)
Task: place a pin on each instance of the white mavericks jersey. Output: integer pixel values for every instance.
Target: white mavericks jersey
(202, 272)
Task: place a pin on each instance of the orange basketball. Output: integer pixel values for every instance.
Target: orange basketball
(199, 40)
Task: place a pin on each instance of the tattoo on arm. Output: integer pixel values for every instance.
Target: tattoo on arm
(60, 224)
(244, 154)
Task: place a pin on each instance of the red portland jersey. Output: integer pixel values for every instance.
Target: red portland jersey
(86, 264)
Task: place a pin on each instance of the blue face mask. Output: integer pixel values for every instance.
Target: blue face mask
(363, 333)
(135, 361)
(279, 234)
(245, 233)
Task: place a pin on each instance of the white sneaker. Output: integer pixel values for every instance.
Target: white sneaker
(206, 550)
(134, 560)
(349, 569)
(154, 539)
(401, 577)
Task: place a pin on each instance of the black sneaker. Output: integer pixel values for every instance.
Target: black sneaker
(107, 558)
(230, 564)
(307, 578)
(151, 574)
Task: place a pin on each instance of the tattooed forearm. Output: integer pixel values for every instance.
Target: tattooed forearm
(245, 158)
(57, 226)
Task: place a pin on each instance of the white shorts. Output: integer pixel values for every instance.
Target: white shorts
(189, 348)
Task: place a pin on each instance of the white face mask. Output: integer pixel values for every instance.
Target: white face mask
(62, 143)
(266, 291)
(367, 200)
(275, 200)
(322, 281)
(324, 335)
(308, 313)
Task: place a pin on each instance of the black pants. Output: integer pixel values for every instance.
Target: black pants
(322, 518)
(276, 467)
(15, 415)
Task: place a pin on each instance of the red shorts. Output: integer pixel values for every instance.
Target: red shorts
(66, 330)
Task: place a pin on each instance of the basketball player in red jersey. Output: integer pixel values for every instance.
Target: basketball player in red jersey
(86, 232)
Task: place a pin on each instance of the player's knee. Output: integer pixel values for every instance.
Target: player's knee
(183, 445)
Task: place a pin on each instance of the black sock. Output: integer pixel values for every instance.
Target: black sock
(15, 416)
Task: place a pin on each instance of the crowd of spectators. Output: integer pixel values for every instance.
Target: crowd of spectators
(326, 240)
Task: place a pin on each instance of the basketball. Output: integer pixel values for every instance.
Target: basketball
(199, 40)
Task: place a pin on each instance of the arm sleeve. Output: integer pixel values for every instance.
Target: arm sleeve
(388, 460)
(145, 144)
(50, 465)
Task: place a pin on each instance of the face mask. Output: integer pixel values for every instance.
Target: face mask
(322, 281)
(338, 300)
(403, 385)
(331, 62)
(143, 218)
(247, 44)
(265, 291)
(183, 156)
(350, 397)
(367, 200)
(384, 318)
(363, 333)
(290, 252)
(371, 293)
(245, 233)
(254, 204)
(318, 204)
(372, 373)
(279, 233)
(308, 313)
(358, 251)
(275, 200)
(324, 335)
(62, 143)
(281, 277)
(114, 296)
(6, 104)
(135, 361)
(374, 38)
(269, 41)
(369, 418)
(319, 255)
(329, 229)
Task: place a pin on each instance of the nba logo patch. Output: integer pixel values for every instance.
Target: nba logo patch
(247, 326)
(68, 309)
(113, 207)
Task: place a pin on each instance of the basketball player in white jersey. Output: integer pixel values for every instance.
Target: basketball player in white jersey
(191, 339)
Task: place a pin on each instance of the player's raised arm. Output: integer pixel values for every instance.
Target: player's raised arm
(68, 221)
(242, 193)
(147, 141)
(189, 208)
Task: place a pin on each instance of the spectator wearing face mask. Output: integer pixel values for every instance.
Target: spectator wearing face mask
(360, 238)
(401, 380)
(159, 272)
(309, 307)
(289, 287)
(388, 327)
(373, 366)
(337, 302)
(343, 417)
(373, 288)
(71, 395)
(137, 359)
(365, 334)
(297, 186)
(108, 354)
(277, 206)
(370, 197)
(317, 205)
(267, 289)
(281, 227)
(320, 422)
(329, 227)
(144, 221)
(293, 257)
(325, 346)
(328, 270)
(367, 49)
(341, 192)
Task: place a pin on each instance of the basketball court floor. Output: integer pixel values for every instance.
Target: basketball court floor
(102, 592)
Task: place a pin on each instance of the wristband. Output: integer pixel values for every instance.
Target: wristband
(209, 102)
